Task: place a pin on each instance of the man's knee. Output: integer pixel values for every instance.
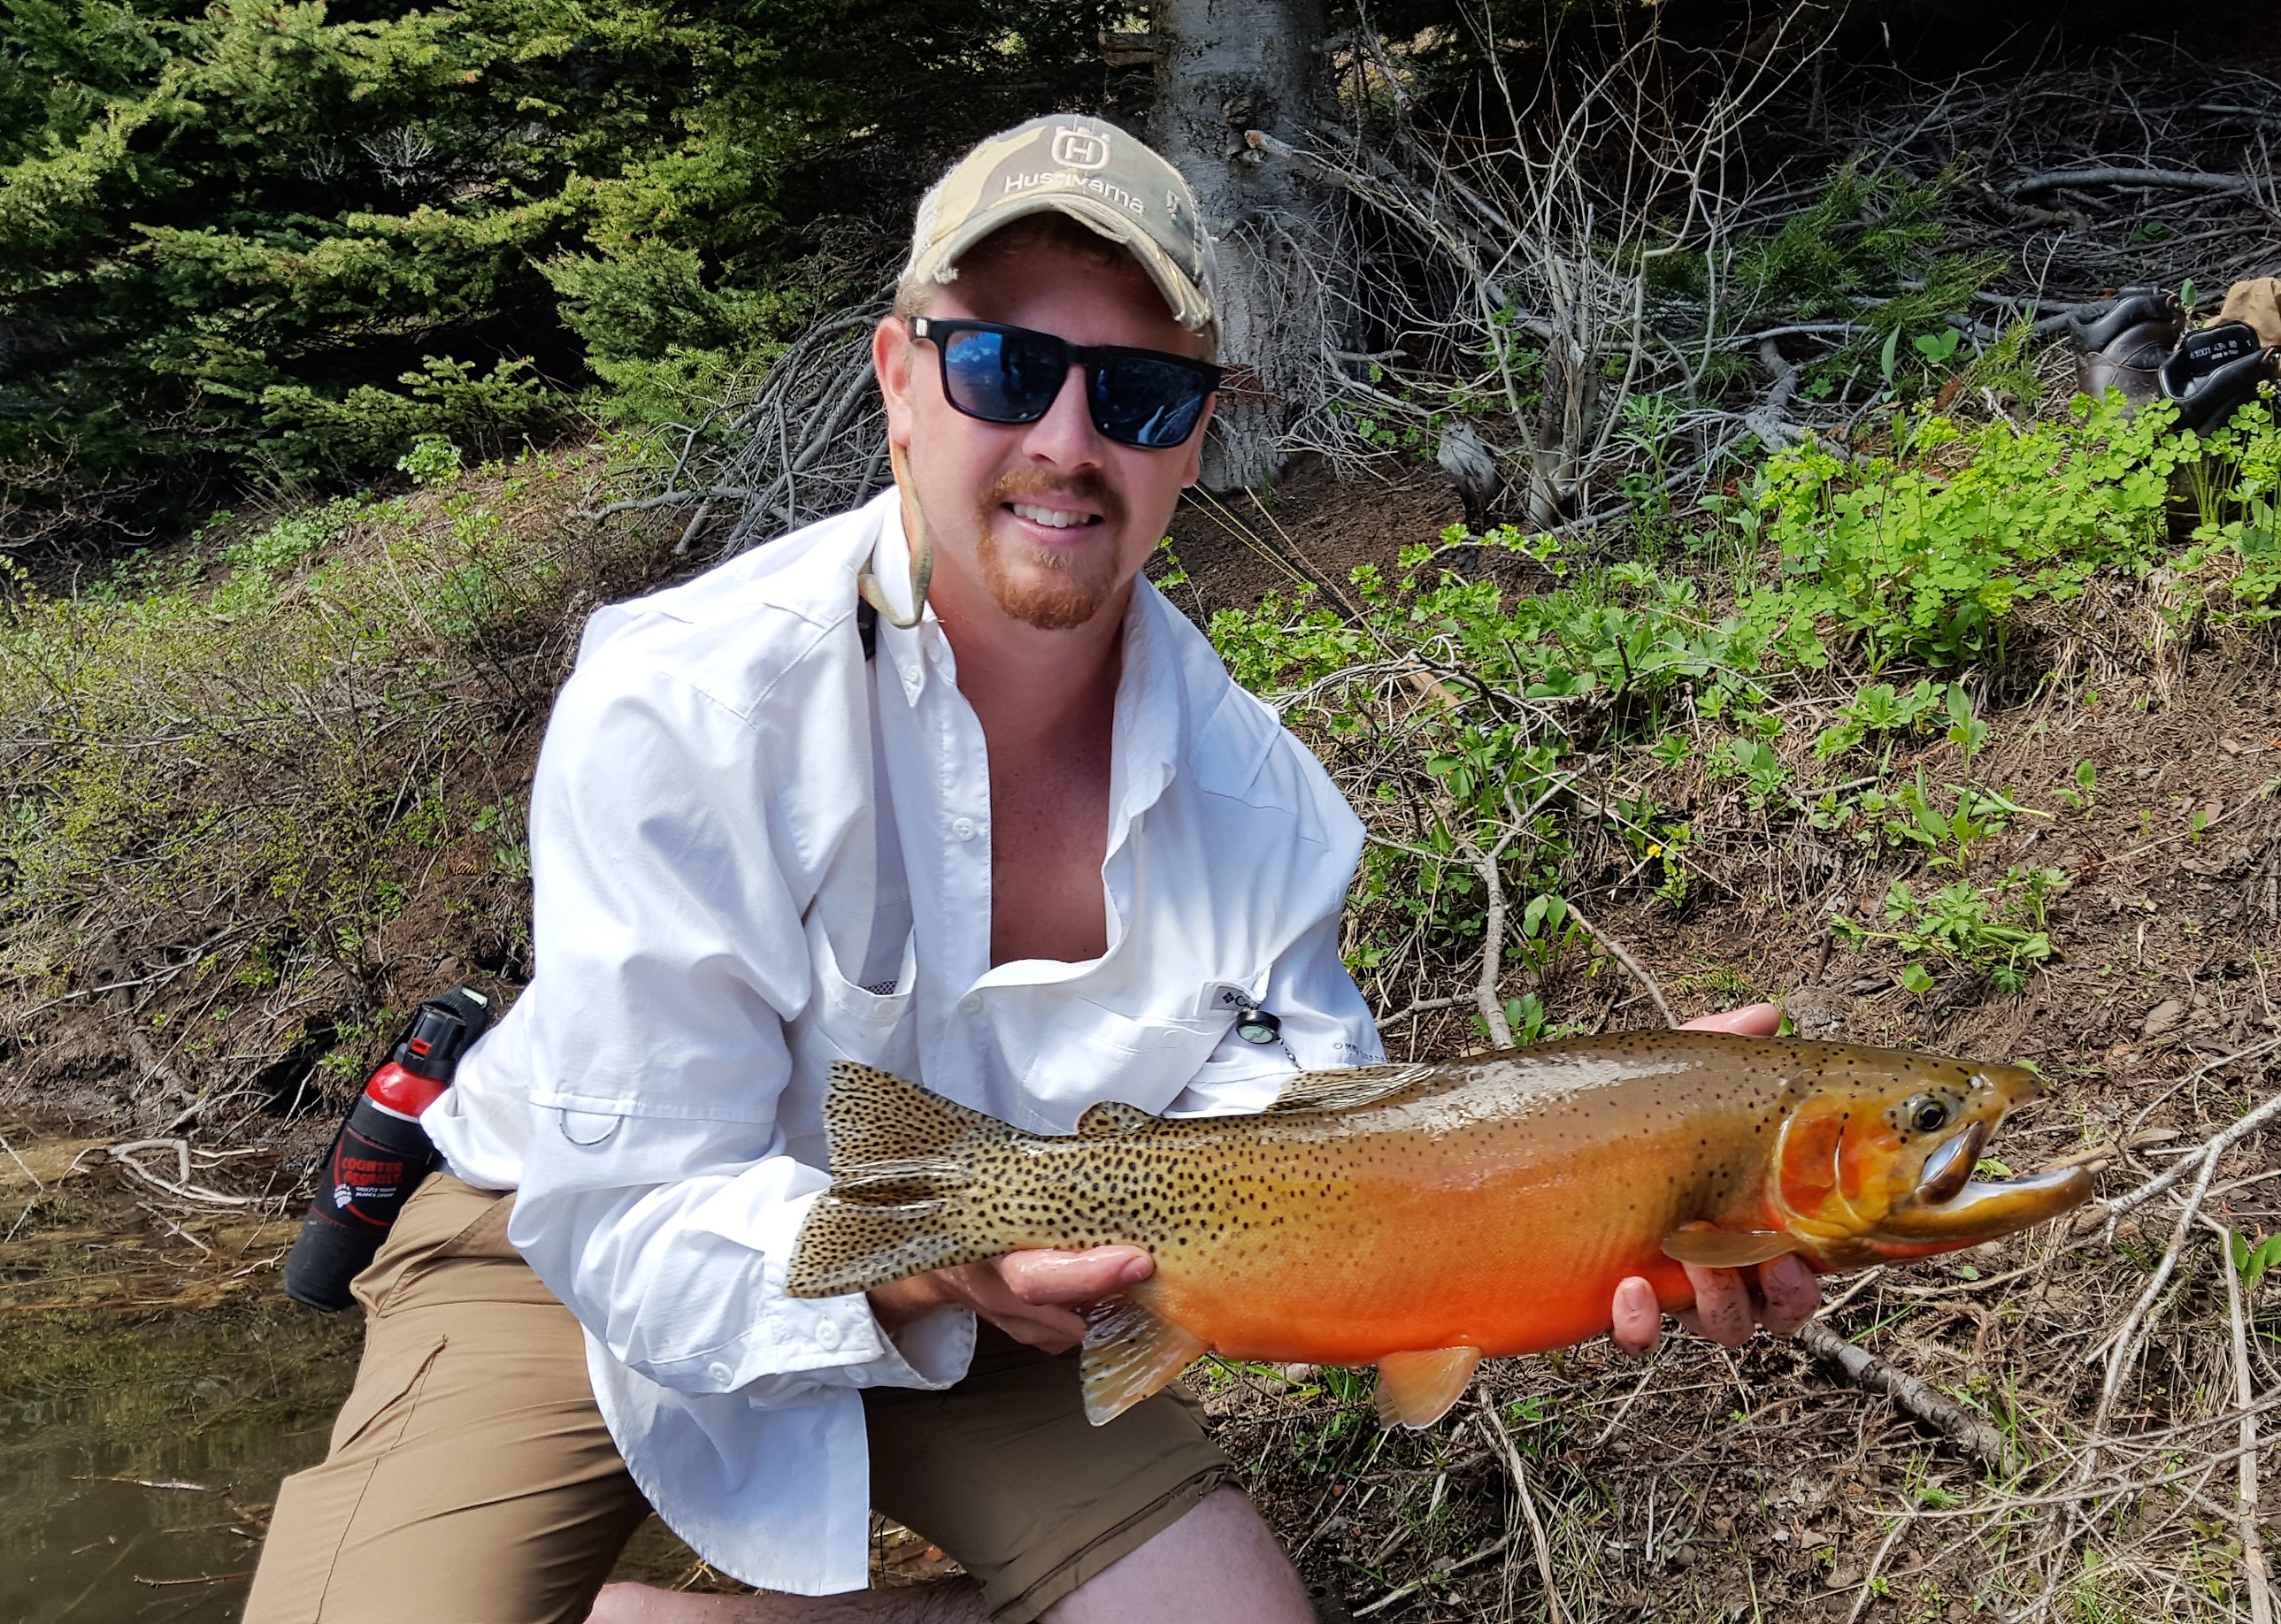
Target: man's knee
(1218, 1564)
(470, 1477)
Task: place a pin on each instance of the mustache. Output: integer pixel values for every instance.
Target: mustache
(1090, 487)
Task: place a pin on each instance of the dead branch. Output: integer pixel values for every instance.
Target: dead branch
(689, 496)
(2205, 1160)
(2176, 179)
(2245, 1394)
(1500, 1440)
(1625, 957)
(1416, 1585)
(1865, 1369)
(179, 1186)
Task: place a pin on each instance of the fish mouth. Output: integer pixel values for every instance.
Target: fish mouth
(1950, 1166)
(1983, 1209)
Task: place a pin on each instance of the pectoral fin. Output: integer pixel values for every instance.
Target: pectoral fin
(1129, 1353)
(1417, 1389)
(1726, 1248)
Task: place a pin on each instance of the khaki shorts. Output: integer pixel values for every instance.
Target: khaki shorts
(471, 1481)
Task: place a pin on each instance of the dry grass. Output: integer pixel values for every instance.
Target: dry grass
(258, 793)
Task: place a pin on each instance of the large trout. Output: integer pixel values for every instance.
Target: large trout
(1420, 1217)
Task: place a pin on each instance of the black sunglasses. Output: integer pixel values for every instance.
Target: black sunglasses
(1001, 375)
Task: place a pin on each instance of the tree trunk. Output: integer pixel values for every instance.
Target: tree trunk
(1223, 67)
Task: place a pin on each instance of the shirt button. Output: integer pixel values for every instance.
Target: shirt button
(971, 1004)
(936, 651)
(827, 1336)
(963, 827)
(911, 673)
(716, 1371)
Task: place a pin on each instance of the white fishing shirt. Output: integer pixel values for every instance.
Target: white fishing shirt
(754, 853)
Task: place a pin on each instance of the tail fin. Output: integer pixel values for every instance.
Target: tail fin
(898, 1162)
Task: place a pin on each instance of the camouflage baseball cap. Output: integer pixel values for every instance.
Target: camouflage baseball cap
(1091, 170)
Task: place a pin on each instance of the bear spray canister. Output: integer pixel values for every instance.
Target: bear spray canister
(382, 1153)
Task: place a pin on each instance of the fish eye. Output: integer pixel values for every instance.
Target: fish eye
(1926, 1114)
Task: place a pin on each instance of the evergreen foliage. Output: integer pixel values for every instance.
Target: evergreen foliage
(291, 237)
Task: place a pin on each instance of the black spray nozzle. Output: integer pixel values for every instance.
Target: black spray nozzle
(441, 1030)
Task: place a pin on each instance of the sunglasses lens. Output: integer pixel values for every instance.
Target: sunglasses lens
(1152, 404)
(1004, 377)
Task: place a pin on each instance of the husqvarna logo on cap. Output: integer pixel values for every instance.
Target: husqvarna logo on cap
(1080, 148)
(1092, 172)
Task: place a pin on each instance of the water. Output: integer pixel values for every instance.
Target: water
(138, 1461)
(155, 1387)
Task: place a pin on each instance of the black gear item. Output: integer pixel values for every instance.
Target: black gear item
(2121, 343)
(2215, 371)
(382, 1153)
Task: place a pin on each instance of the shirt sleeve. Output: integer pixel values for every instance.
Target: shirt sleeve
(657, 1199)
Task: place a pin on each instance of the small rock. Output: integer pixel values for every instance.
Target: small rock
(1298, 1373)
(1842, 1578)
(1814, 1016)
(2162, 1017)
(2233, 747)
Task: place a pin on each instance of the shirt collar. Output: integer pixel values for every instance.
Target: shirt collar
(1151, 714)
(905, 649)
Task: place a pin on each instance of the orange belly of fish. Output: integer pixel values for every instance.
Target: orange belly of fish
(1417, 1268)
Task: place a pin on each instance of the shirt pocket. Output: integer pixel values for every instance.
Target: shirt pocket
(1257, 1073)
(1091, 1053)
(871, 1026)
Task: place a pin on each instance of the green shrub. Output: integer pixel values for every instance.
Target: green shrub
(234, 772)
(1927, 556)
(1466, 717)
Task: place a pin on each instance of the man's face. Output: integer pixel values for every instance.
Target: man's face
(1047, 522)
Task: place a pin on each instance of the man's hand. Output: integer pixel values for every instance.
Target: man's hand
(1028, 1295)
(1726, 1310)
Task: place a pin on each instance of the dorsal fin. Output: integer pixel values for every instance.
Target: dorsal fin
(1349, 1087)
(1113, 1119)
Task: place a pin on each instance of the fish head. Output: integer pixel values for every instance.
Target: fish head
(1877, 1162)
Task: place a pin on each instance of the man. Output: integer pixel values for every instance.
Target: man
(1014, 835)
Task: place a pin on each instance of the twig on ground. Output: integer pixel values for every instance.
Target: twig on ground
(2124, 1344)
(2206, 1157)
(1416, 1585)
(699, 497)
(1870, 1579)
(1554, 1609)
(2181, 180)
(1866, 1370)
(1625, 1408)
(2245, 1394)
(179, 1186)
(21, 1163)
(1624, 956)
(1485, 991)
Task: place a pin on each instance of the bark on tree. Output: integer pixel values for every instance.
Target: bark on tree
(1223, 67)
